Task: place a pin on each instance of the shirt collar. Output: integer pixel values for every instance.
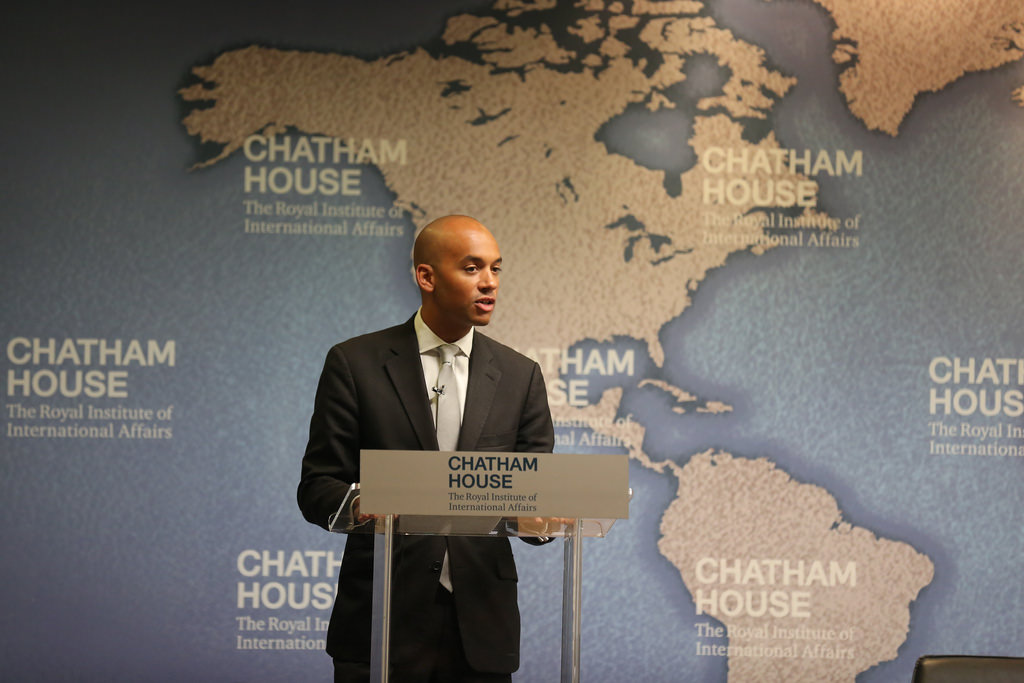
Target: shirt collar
(429, 341)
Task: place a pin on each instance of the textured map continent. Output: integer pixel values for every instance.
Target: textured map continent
(511, 140)
(894, 51)
(843, 589)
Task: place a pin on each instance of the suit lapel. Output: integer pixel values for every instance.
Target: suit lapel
(405, 370)
(484, 375)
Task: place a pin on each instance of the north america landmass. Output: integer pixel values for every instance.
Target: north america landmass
(502, 115)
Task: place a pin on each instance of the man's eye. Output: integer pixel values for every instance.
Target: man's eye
(496, 270)
(471, 269)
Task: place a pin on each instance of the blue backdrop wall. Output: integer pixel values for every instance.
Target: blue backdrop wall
(770, 250)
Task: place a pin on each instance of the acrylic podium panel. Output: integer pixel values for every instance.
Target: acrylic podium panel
(345, 522)
(571, 529)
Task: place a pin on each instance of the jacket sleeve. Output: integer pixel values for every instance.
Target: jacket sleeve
(331, 460)
(536, 432)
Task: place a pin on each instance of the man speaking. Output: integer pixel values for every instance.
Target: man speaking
(432, 383)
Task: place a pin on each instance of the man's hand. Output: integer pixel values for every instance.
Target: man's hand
(543, 526)
(361, 518)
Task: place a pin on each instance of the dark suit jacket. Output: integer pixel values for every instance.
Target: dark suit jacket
(372, 396)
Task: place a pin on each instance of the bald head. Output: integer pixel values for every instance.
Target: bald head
(442, 233)
(457, 263)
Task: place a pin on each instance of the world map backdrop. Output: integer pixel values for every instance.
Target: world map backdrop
(770, 250)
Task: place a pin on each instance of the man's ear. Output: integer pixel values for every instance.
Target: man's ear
(425, 277)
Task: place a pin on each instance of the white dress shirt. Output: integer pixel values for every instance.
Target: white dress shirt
(431, 361)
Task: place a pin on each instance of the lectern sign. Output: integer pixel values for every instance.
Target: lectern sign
(499, 484)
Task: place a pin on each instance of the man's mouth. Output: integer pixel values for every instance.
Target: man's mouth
(485, 303)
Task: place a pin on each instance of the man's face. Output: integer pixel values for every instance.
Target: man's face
(463, 283)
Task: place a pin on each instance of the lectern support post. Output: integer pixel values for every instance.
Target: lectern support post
(380, 635)
(572, 603)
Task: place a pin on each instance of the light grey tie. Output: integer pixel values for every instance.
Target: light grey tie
(449, 422)
(449, 419)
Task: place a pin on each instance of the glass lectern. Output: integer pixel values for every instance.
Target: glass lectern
(571, 529)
